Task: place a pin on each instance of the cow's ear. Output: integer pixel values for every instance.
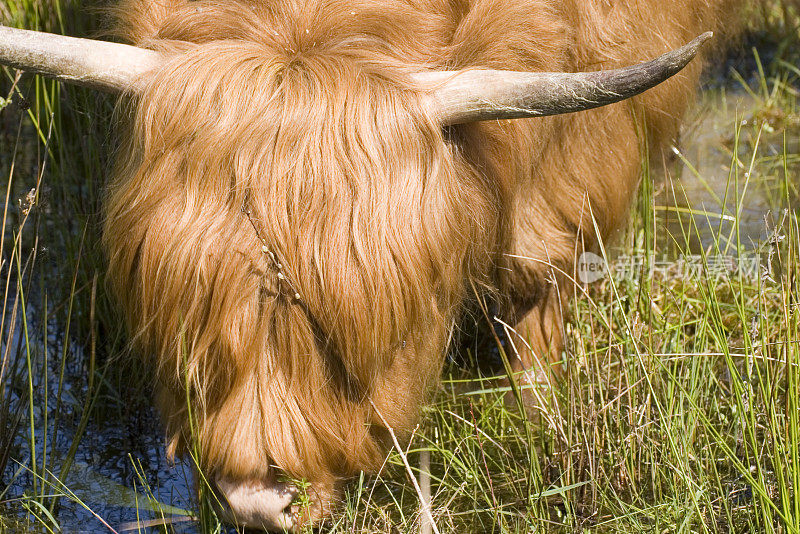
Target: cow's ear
(479, 95)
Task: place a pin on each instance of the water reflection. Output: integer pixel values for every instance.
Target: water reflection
(705, 189)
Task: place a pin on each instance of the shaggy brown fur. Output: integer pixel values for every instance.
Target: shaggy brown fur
(303, 113)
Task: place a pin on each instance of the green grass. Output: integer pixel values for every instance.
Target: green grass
(679, 407)
(56, 327)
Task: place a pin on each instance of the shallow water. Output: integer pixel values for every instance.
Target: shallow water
(705, 191)
(119, 468)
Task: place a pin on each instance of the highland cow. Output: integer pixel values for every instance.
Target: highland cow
(303, 207)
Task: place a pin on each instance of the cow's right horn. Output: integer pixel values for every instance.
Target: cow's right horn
(479, 95)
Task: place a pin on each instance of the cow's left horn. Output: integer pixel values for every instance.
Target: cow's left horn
(479, 95)
(97, 64)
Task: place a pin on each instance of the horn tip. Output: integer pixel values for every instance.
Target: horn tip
(695, 44)
(704, 37)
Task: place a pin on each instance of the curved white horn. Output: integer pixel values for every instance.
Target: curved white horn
(96, 64)
(479, 95)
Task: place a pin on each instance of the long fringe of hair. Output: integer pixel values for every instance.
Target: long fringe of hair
(289, 146)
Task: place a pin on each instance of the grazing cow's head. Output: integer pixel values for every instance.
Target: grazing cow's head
(291, 236)
(290, 239)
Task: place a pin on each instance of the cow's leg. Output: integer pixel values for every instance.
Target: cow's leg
(537, 339)
(534, 343)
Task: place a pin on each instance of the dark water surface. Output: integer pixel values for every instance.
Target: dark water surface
(711, 196)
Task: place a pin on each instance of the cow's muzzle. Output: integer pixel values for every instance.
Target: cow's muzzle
(269, 504)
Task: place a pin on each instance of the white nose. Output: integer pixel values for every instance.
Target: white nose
(255, 504)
